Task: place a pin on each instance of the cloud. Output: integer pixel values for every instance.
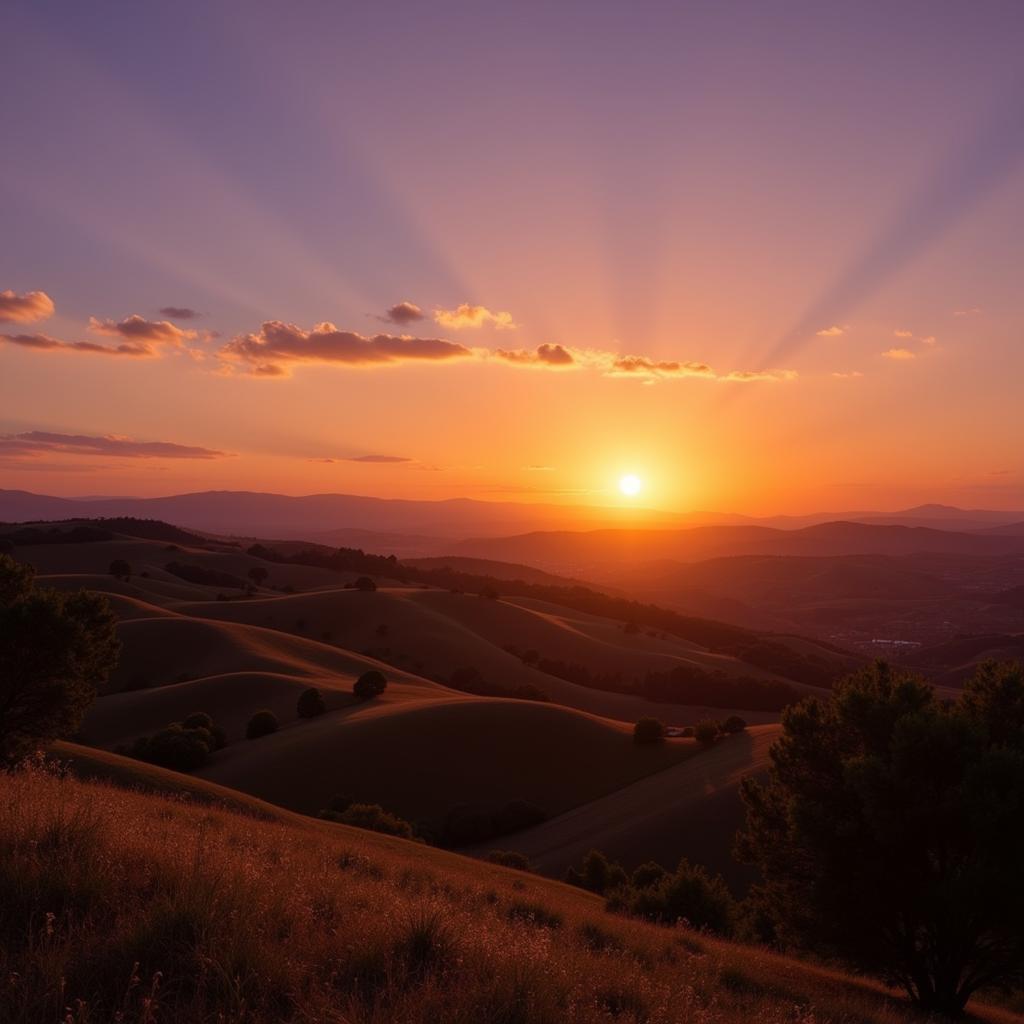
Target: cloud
(544, 355)
(928, 340)
(831, 332)
(751, 376)
(179, 313)
(138, 329)
(472, 316)
(903, 334)
(24, 309)
(641, 366)
(853, 374)
(378, 458)
(403, 313)
(36, 443)
(972, 311)
(899, 354)
(43, 342)
(276, 343)
(539, 469)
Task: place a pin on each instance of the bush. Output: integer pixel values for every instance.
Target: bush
(690, 894)
(201, 720)
(648, 730)
(706, 732)
(510, 859)
(310, 703)
(364, 583)
(120, 569)
(597, 874)
(647, 875)
(370, 684)
(176, 747)
(263, 723)
(372, 817)
(733, 724)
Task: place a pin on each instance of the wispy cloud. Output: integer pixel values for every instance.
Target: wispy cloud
(382, 459)
(276, 345)
(972, 311)
(851, 375)
(25, 309)
(831, 332)
(467, 315)
(902, 334)
(179, 313)
(403, 313)
(899, 354)
(37, 443)
(44, 343)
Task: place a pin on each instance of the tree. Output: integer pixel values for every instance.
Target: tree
(890, 831)
(258, 575)
(706, 731)
(691, 894)
(370, 684)
(263, 723)
(647, 731)
(733, 724)
(310, 703)
(120, 569)
(364, 583)
(56, 650)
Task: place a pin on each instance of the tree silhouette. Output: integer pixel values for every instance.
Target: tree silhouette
(120, 569)
(310, 703)
(369, 685)
(890, 831)
(56, 650)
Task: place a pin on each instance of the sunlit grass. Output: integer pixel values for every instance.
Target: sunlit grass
(119, 906)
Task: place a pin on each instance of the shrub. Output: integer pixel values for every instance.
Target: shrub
(597, 874)
(372, 817)
(648, 730)
(310, 703)
(201, 720)
(690, 894)
(733, 724)
(120, 569)
(706, 731)
(533, 913)
(647, 875)
(370, 684)
(176, 747)
(263, 723)
(510, 859)
(364, 583)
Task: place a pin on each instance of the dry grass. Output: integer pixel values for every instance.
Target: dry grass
(128, 907)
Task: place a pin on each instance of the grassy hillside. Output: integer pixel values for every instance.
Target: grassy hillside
(118, 905)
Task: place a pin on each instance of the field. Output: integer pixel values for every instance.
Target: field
(120, 905)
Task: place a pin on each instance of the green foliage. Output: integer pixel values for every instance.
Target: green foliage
(263, 723)
(890, 831)
(56, 650)
(370, 684)
(648, 731)
(310, 703)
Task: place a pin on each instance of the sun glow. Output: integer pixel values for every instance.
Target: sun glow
(630, 485)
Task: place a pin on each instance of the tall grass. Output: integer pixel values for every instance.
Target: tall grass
(121, 907)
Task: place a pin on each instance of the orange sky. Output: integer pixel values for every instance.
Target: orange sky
(770, 277)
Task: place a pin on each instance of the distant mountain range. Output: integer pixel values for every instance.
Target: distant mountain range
(432, 527)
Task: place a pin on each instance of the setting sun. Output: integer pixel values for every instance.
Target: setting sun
(631, 485)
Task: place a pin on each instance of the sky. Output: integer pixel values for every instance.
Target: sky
(763, 256)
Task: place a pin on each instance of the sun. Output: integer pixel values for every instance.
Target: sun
(631, 485)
